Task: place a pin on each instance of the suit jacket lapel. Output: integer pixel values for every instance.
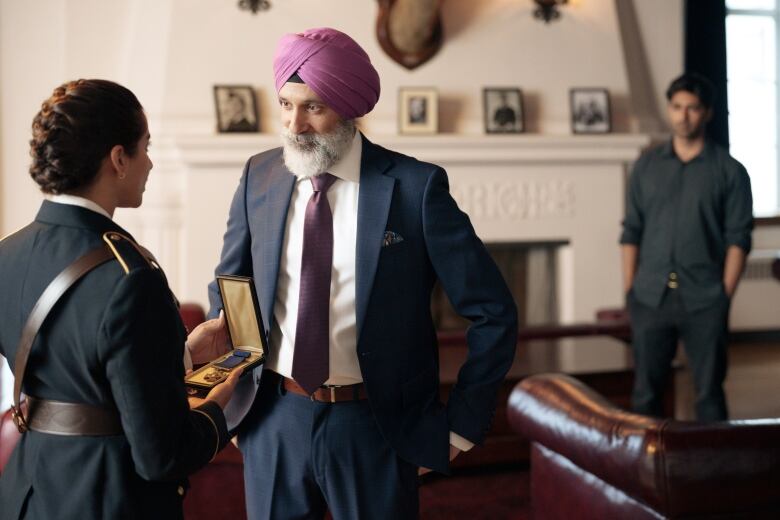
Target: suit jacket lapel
(376, 193)
(273, 220)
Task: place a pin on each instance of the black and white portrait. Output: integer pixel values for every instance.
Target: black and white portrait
(503, 110)
(418, 111)
(590, 111)
(236, 108)
(418, 107)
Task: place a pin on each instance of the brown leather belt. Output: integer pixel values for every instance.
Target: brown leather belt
(328, 394)
(60, 418)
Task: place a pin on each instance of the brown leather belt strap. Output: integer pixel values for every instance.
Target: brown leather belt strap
(61, 418)
(328, 394)
(40, 311)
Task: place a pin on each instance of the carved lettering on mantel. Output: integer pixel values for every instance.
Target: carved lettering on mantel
(516, 200)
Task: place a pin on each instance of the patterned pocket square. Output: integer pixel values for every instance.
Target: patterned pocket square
(391, 237)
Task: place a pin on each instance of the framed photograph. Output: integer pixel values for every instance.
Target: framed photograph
(503, 110)
(590, 111)
(418, 110)
(236, 108)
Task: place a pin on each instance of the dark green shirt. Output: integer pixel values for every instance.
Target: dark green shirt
(683, 217)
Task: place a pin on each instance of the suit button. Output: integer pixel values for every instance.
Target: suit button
(180, 491)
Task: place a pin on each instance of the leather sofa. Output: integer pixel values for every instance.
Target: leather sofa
(592, 460)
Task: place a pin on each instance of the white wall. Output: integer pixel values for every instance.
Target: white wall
(171, 52)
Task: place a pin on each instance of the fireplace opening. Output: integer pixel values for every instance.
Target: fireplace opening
(529, 269)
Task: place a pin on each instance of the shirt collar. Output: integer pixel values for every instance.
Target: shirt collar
(75, 200)
(667, 150)
(348, 168)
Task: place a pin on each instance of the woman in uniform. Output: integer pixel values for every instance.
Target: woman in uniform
(109, 431)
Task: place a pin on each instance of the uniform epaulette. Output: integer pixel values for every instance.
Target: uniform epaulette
(127, 252)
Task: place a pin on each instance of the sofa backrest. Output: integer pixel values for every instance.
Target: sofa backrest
(675, 468)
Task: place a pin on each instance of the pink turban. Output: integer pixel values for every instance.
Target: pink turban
(333, 65)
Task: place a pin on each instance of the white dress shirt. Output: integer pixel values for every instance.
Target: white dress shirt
(343, 201)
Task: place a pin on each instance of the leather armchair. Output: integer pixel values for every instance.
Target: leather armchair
(592, 460)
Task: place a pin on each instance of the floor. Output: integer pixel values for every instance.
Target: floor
(752, 384)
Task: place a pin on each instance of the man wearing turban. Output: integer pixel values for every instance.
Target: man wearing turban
(345, 241)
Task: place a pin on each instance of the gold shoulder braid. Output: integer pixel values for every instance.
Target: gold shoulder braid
(129, 254)
(133, 256)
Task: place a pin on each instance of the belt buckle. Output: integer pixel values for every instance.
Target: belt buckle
(332, 398)
(18, 418)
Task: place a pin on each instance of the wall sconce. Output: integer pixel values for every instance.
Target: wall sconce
(547, 10)
(254, 5)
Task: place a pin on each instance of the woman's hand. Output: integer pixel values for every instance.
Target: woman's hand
(222, 393)
(209, 340)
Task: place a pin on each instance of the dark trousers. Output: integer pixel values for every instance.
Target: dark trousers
(656, 332)
(303, 457)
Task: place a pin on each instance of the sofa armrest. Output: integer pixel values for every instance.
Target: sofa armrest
(674, 467)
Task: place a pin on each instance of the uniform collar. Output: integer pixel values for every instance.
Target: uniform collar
(75, 200)
(60, 214)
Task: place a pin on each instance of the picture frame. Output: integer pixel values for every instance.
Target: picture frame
(236, 109)
(590, 111)
(503, 108)
(418, 110)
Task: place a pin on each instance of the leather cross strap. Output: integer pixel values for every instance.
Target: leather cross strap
(40, 311)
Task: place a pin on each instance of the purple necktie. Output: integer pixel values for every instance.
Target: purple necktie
(311, 364)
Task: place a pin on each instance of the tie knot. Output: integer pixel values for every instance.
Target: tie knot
(322, 182)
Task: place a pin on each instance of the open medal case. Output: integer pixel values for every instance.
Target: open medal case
(247, 335)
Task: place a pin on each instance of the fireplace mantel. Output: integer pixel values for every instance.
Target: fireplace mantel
(205, 151)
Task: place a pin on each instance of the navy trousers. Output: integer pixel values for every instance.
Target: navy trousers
(704, 335)
(303, 457)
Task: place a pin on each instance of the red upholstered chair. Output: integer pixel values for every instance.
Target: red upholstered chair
(192, 315)
(591, 460)
(9, 436)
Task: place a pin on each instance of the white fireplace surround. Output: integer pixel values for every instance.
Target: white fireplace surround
(518, 188)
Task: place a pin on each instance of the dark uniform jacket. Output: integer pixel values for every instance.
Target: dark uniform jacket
(116, 340)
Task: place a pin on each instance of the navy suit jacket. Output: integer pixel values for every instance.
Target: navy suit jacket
(397, 347)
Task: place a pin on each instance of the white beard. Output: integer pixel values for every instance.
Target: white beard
(308, 155)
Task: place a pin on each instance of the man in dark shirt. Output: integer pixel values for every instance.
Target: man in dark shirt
(685, 238)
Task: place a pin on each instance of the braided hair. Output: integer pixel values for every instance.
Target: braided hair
(76, 129)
